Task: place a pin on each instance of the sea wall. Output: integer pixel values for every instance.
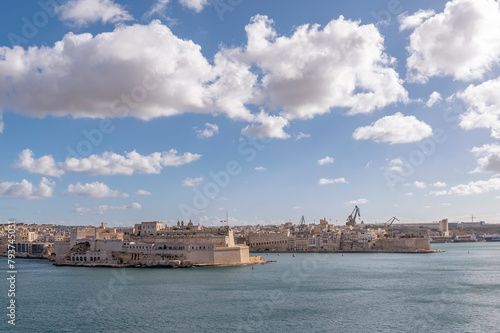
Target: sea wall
(402, 244)
(229, 255)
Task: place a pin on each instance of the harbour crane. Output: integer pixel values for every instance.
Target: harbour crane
(351, 219)
(390, 222)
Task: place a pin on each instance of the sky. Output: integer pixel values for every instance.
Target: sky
(167, 110)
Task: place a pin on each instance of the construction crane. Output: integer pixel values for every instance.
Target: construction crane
(351, 219)
(457, 232)
(390, 222)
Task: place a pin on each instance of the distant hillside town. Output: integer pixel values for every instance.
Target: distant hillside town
(186, 244)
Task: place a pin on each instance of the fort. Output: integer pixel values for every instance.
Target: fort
(150, 244)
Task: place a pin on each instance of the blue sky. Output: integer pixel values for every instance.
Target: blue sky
(127, 111)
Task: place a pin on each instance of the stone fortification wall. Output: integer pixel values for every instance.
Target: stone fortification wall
(402, 244)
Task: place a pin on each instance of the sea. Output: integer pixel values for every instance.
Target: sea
(457, 290)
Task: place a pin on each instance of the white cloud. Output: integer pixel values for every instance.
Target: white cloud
(44, 165)
(1, 122)
(394, 129)
(192, 182)
(270, 127)
(83, 12)
(446, 204)
(260, 169)
(395, 165)
(145, 71)
(434, 98)
(439, 184)
(413, 21)
(142, 71)
(326, 160)
(26, 190)
(477, 187)
(114, 164)
(108, 163)
(327, 181)
(438, 193)
(357, 202)
(99, 210)
(158, 8)
(489, 160)
(196, 5)
(209, 131)
(460, 42)
(409, 194)
(143, 192)
(316, 68)
(418, 184)
(483, 107)
(93, 190)
(302, 136)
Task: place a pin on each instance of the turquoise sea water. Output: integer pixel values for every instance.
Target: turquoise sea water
(454, 291)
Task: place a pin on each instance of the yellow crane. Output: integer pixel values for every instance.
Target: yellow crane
(390, 222)
(455, 232)
(351, 219)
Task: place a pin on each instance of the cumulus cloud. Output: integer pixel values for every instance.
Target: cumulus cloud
(143, 192)
(489, 158)
(99, 210)
(26, 190)
(327, 181)
(395, 165)
(483, 107)
(196, 5)
(262, 169)
(83, 12)
(270, 127)
(394, 129)
(112, 164)
(418, 184)
(412, 21)
(108, 75)
(302, 136)
(477, 187)
(357, 202)
(192, 182)
(409, 194)
(438, 193)
(326, 160)
(342, 64)
(93, 190)
(145, 71)
(460, 41)
(434, 98)
(439, 184)
(108, 163)
(207, 132)
(44, 165)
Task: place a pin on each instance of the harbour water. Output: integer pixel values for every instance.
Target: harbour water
(454, 291)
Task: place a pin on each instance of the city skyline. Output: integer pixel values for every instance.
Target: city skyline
(123, 112)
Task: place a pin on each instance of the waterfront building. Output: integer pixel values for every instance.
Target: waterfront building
(154, 245)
